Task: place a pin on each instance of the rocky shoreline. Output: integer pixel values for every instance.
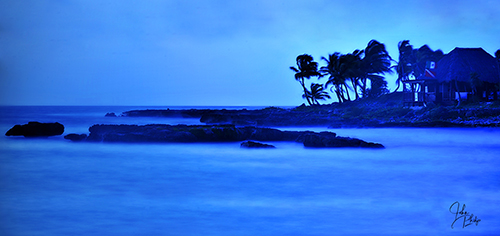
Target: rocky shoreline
(324, 116)
(385, 111)
(36, 129)
(272, 116)
(222, 125)
(160, 133)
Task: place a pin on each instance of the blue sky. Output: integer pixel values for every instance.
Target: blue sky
(213, 52)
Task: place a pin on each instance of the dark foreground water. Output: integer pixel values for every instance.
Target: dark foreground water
(51, 186)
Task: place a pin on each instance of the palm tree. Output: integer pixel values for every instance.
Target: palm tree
(336, 69)
(354, 70)
(375, 62)
(306, 67)
(358, 67)
(422, 56)
(378, 87)
(412, 62)
(404, 66)
(316, 93)
(497, 55)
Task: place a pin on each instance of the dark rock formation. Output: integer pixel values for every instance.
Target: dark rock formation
(252, 144)
(216, 133)
(110, 114)
(76, 137)
(243, 117)
(384, 111)
(323, 139)
(185, 133)
(36, 129)
(191, 113)
(135, 133)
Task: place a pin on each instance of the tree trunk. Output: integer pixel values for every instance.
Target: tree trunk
(305, 91)
(399, 84)
(363, 88)
(355, 86)
(338, 92)
(347, 91)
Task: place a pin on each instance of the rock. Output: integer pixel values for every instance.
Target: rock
(371, 145)
(266, 134)
(423, 124)
(192, 113)
(171, 133)
(217, 133)
(252, 144)
(36, 129)
(324, 140)
(215, 119)
(143, 133)
(244, 117)
(76, 137)
(110, 114)
(302, 136)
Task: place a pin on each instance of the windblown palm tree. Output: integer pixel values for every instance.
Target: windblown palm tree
(375, 63)
(404, 67)
(354, 70)
(337, 71)
(422, 56)
(306, 68)
(316, 93)
(357, 67)
(412, 62)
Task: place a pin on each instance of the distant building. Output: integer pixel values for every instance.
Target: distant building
(461, 74)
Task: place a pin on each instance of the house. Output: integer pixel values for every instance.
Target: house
(464, 73)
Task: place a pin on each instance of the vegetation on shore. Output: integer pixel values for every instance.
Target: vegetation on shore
(356, 79)
(360, 74)
(357, 82)
(383, 111)
(388, 110)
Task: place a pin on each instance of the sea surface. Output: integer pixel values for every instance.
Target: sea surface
(52, 186)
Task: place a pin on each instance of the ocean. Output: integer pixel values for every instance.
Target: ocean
(52, 186)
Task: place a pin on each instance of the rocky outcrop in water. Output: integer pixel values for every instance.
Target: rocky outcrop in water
(36, 129)
(252, 144)
(217, 133)
(384, 111)
(326, 139)
(186, 133)
(242, 117)
(76, 137)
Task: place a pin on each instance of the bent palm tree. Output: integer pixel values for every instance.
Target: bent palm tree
(376, 61)
(423, 55)
(306, 67)
(404, 67)
(316, 93)
(412, 62)
(338, 72)
(354, 70)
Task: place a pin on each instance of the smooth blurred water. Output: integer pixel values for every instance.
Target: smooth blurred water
(51, 186)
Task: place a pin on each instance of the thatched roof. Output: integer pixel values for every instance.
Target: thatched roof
(461, 62)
